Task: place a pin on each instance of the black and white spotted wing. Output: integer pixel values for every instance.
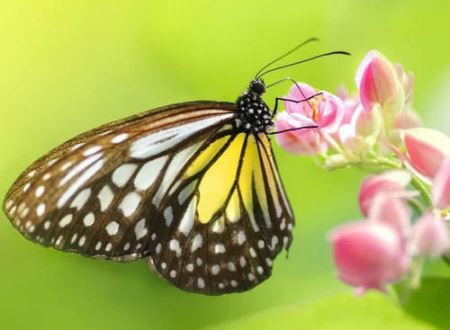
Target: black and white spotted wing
(178, 185)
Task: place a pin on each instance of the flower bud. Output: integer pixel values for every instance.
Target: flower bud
(368, 123)
(426, 149)
(430, 236)
(393, 181)
(378, 83)
(391, 209)
(441, 186)
(368, 255)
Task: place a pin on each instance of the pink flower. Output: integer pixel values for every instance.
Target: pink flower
(307, 141)
(325, 111)
(393, 181)
(426, 149)
(391, 209)
(441, 186)
(378, 83)
(368, 255)
(430, 236)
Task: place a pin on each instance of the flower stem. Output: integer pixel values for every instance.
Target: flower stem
(416, 183)
(416, 273)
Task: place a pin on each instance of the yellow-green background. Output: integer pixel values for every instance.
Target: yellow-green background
(67, 66)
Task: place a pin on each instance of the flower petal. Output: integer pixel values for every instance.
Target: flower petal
(430, 236)
(426, 149)
(368, 254)
(389, 182)
(441, 186)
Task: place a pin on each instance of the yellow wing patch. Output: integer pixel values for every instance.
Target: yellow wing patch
(218, 180)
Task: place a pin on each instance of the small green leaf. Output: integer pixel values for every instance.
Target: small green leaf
(373, 311)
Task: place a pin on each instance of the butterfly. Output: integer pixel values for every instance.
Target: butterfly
(192, 188)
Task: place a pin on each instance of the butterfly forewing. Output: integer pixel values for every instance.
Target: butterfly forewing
(84, 196)
(179, 185)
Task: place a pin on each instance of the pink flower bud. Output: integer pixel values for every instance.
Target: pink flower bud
(441, 186)
(393, 181)
(430, 236)
(426, 149)
(391, 209)
(368, 123)
(378, 82)
(407, 119)
(368, 255)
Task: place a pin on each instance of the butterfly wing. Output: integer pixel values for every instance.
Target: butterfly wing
(89, 194)
(179, 186)
(235, 219)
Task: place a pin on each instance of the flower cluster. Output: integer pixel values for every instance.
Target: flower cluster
(406, 204)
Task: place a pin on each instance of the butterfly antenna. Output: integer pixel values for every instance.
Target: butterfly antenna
(338, 52)
(257, 76)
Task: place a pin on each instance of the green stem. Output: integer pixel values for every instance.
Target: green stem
(416, 272)
(416, 183)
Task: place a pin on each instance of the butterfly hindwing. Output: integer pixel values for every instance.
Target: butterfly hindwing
(230, 244)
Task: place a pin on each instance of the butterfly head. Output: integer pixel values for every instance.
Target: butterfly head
(257, 86)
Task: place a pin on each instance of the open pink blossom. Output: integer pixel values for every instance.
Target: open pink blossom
(430, 236)
(303, 141)
(325, 111)
(391, 209)
(441, 185)
(378, 83)
(427, 149)
(393, 181)
(368, 255)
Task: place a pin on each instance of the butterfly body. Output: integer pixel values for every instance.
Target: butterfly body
(193, 188)
(254, 116)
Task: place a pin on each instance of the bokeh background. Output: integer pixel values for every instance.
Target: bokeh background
(67, 66)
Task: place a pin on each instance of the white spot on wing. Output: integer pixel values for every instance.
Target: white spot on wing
(91, 150)
(85, 176)
(197, 242)
(65, 220)
(119, 138)
(112, 228)
(105, 197)
(40, 209)
(89, 219)
(168, 215)
(148, 173)
(39, 191)
(122, 174)
(82, 197)
(187, 221)
(219, 248)
(130, 203)
(174, 245)
(140, 229)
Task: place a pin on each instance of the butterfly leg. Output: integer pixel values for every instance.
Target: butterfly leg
(278, 99)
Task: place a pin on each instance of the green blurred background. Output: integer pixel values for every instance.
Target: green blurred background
(67, 66)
